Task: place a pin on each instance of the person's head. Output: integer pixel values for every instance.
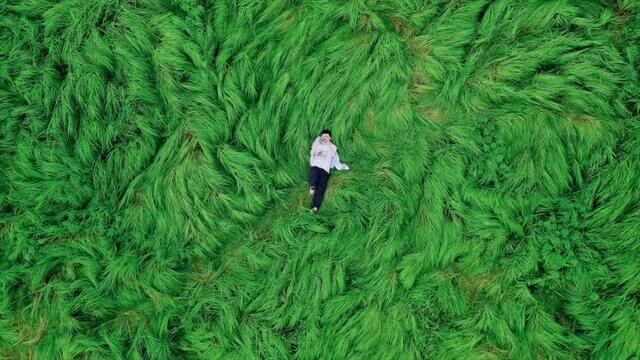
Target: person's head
(325, 135)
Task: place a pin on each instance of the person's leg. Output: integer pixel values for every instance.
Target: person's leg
(321, 187)
(313, 178)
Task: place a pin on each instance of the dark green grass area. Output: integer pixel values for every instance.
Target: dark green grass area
(154, 164)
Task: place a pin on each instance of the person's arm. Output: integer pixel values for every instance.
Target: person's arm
(314, 147)
(335, 162)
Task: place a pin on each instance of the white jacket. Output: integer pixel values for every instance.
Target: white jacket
(327, 163)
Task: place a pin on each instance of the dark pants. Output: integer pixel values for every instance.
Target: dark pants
(318, 179)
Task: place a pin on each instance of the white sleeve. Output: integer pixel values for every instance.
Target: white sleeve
(335, 162)
(315, 142)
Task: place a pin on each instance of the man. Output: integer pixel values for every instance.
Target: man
(324, 156)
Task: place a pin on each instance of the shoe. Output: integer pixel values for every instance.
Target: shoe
(314, 210)
(311, 190)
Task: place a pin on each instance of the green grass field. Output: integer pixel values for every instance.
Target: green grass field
(154, 159)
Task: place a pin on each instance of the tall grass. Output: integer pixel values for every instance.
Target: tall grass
(154, 159)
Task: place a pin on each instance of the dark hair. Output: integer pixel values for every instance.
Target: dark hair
(325, 131)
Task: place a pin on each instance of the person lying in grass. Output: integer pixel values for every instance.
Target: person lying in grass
(324, 157)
